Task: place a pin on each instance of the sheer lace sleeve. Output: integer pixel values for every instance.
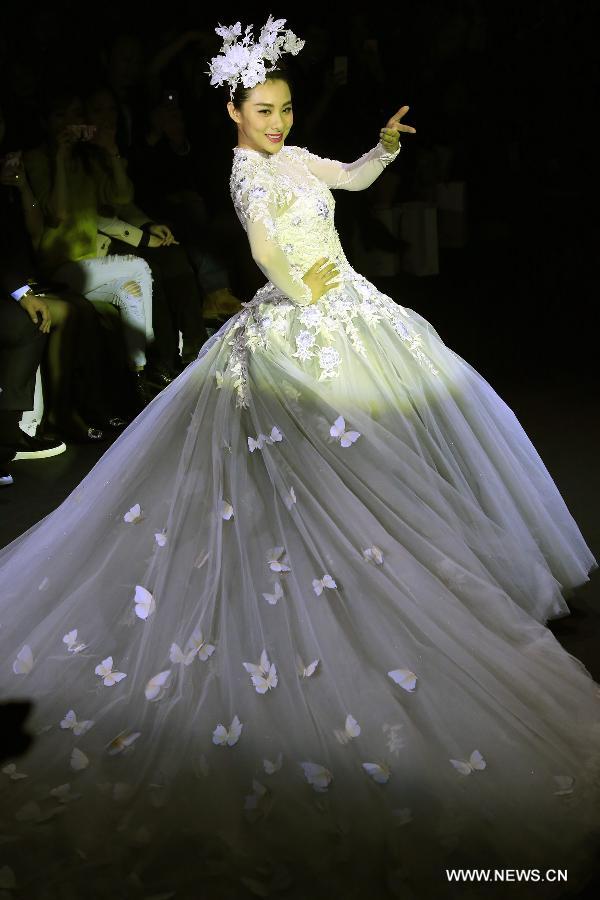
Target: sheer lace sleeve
(354, 176)
(254, 201)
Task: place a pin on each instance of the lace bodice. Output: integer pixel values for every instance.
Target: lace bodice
(285, 204)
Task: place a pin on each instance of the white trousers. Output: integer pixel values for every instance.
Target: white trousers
(110, 278)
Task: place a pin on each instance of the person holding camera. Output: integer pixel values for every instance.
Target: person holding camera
(73, 173)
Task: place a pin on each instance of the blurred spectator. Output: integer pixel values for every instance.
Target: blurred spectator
(69, 328)
(73, 173)
(177, 302)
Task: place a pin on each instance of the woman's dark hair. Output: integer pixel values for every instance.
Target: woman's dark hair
(279, 74)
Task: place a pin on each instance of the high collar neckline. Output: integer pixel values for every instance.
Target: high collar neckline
(262, 153)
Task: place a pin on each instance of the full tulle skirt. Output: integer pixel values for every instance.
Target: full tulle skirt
(273, 653)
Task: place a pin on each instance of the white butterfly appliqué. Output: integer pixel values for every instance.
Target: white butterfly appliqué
(123, 742)
(263, 675)
(290, 498)
(317, 776)
(306, 671)
(70, 640)
(144, 604)
(379, 772)
(161, 538)
(474, 763)
(272, 599)
(325, 582)
(350, 730)
(402, 816)
(63, 794)
(11, 771)
(225, 510)
(157, 685)
(277, 560)
(259, 442)
(105, 671)
(405, 678)
(23, 664)
(272, 767)
(256, 804)
(374, 554)
(228, 737)
(72, 723)
(134, 515)
(199, 646)
(564, 784)
(181, 657)
(338, 431)
(79, 761)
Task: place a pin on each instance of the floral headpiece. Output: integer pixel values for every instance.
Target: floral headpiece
(248, 61)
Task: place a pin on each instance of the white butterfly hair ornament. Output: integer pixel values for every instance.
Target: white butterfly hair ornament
(228, 737)
(263, 674)
(350, 730)
(338, 431)
(474, 763)
(246, 60)
(325, 582)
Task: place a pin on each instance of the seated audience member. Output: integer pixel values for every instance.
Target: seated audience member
(69, 329)
(176, 302)
(75, 171)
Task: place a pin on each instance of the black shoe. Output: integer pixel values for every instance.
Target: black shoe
(144, 390)
(38, 447)
(158, 377)
(75, 430)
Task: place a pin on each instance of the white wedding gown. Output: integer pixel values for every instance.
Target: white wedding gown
(287, 638)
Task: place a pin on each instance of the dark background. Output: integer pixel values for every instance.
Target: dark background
(510, 90)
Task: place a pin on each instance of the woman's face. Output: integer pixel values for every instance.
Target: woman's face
(101, 111)
(68, 111)
(265, 117)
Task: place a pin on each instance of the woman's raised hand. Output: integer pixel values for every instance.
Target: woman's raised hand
(390, 135)
(318, 278)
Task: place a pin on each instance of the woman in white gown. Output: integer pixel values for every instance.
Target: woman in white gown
(288, 636)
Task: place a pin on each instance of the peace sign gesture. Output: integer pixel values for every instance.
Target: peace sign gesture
(390, 135)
